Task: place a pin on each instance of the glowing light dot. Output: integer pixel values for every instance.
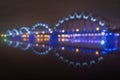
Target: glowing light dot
(51, 31)
(63, 40)
(97, 53)
(103, 33)
(36, 44)
(63, 35)
(5, 35)
(38, 39)
(58, 35)
(102, 42)
(36, 33)
(97, 28)
(24, 35)
(77, 30)
(43, 32)
(77, 50)
(63, 48)
(24, 39)
(2, 35)
(5, 40)
(63, 31)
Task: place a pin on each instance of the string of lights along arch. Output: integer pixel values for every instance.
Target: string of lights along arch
(78, 29)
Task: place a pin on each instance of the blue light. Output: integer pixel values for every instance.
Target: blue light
(57, 24)
(101, 23)
(72, 17)
(85, 17)
(110, 33)
(61, 21)
(78, 16)
(93, 19)
(66, 19)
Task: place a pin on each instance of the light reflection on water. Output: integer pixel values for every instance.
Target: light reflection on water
(71, 55)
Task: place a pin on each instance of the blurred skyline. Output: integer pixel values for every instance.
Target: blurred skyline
(18, 13)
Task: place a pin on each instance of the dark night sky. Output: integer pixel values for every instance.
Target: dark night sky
(17, 13)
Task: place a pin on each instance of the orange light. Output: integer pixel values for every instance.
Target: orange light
(2, 35)
(36, 44)
(38, 39)
(36, 33)
(97, 28)
(77, 50)
(41, 36)
(59, 35)
(24, 39)
(77, 30)
(97, 53)
(24, 35)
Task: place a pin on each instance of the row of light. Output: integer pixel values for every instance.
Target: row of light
(78, 30)
(87, 34)
(82, 41)
(78, 50)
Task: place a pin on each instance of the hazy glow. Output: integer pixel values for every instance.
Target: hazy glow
(77, 50)
(97, 28)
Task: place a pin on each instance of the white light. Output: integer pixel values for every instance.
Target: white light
(51, 31)
(117, 34)
(63, 31)
(102, 42)
(63, 48)
(103, 33)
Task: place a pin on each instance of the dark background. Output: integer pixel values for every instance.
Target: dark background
(17, 13)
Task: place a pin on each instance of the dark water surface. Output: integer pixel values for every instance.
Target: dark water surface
(42, 60)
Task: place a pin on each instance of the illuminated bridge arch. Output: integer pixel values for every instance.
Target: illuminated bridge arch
(78, 22)
(24, 30)
(9, 42)
(46, 51)
(8, 33)
(78, 62)
(15, 32)
(24, 47)
(44, 28)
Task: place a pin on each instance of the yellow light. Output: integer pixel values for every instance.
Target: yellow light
(97, 28)
(36, 44)
(36, 33)
(41, 36)
(77, 30)
(97, 53)
(77, 50)
(38, 39)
